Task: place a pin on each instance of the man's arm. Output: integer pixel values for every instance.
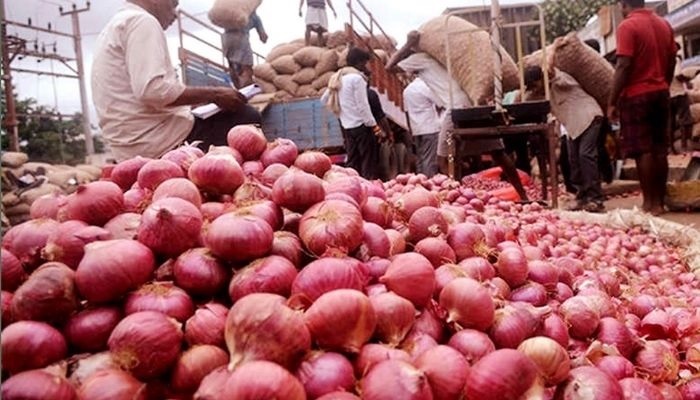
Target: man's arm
(260, 29)
(301, 6)
(226, 98)
(330, 5)
(406, 50)
(622, 73)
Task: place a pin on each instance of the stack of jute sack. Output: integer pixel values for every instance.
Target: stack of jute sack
(293, 70)
(23, 182)
(232, 14)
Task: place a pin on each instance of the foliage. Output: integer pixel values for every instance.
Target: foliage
(45, 137)
(565, 16)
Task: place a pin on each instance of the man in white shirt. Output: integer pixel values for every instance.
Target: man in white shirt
(425, 121)
(143, 108)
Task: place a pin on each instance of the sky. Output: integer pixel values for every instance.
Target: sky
(280, 18)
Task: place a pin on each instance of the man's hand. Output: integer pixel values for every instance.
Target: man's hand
(300, 13)
(613, 113)
(335, 14)
(229, 99)
(263, 37)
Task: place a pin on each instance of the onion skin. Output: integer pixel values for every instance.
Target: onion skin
(163, 297)
(313, 162)
(467, 240)
(446, 370)
(272, 274)
(341, 320)
(377, 211)
(372, 354)
(84, 366)
(412, 277)
(503, 374)
(339, 396)
(512, 266)
(469, 305)
(252, 381)
(47, 206)
(583, 320)
(287, 245)
(690, 389)
(146, 343)
(112, 384)
(199, 273)
(249, 140)
(590, 382)
(427, 222)
(555, 328)
(125, 173)
(216, 174)
(88, 330)
(324, 275)
(181, 188)
(194, 364)
(36, 385)
(331, 225)
(322, 373)
(436, 250)
(48, 295)
(393, 379)
(170, 226)
(7, 318)
(669, 392)
(417, 343)
(280, 151)
(67, 243)
(395, 317)
(94, 203)
(473, 344)
(297, 190)
(281, 337)
(658, 361)
(29, 344)
(112, 268)
(207, 325)
(124, 226)
(550, 357)
(26, 240)
(239, 238)
(12, 273)
(616, 366)
(615, 333)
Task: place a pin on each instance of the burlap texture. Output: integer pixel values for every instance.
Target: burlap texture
(308, 56)
(305, 76)
(322, 81)
(343, 58)
(232, 14)
(286, 83)
(283, 50)
(267, 87)
(306, 91)
(286, 65)
(265, 72)
(335, 39)
(283, 95)
(327, 62)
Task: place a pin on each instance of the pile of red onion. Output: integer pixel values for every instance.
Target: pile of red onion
(255, 271)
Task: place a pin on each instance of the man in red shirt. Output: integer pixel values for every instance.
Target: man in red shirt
(640, 96)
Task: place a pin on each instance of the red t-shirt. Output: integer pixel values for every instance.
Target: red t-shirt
(648, 40)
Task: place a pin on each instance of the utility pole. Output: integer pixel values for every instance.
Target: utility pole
(10, 120)
(77, 42)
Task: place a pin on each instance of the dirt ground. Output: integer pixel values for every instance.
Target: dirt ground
(690, 219)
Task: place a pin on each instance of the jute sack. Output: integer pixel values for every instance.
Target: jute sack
(308, 56)
(327, 62)
(10, 199)
(286, 65)
(322, 81)
(471, 60)
(695, 112)
(232, 14)
(32, 194)
(306, 91)
(305, 76)
(593, 72)
(694, 96)
(267, 87)
(13, 159)
(286, 83)
(535, 59)
(337, 38)
(343, 58)
(283, 50)
(264, 71)
(19, 209)
(283, 95)
(94, 171)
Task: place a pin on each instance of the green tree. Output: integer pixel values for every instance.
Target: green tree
(565, 16)
(47, 138)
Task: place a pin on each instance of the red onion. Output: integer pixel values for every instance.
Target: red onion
(658, 324)
(212, 210)
(126, 172)
(478, 268)
(395, 317)
(498, 288)
(473, 344)
(563, 292)
(83, 366)
(427, 222)
(436, 250)
(112, 268)
(251, 381)
(199, 273)
(349, 185)
(377, 211)
(206, 326)
(162, 297)
(26, 240)
(658, 361)
(225, 150)
(467, 240)
(12, 273)
(616, 366)
(635, 388)
(112, 384)
(417, 343)
(398, 243)
(147, 343)
(297, 190)
(615, 333)
(341, 320)
(412, 277)
(184, 156)
(170, 226)
(124, 226)
(555, 328)
(252, 168)
(543, 273)
(513, 324)
(273, 274)
(372, 354)
(291, 221)
(37, 384)
(322, 373)
(331, 225)
(182, 188)
(375, 242)
(265, 210)
(446, 274)
(6, 299)
(504, 374)
(30, 344)
(287, 245)
(446, 370)
(429, 321)
(689, 390)
(194, 364)
(155, 172)
(531, 292)
(88, 330)
(271, 173)
(216, 174)
(393, 379)
(512, 266)
(249, 140)
(582, 319)
(669, 392)
(251, 191)
(339, 396)
(66, 244)
(313, 162)
(590, 382)
(94, 203)
(281, 336)
(642, 305)
(468, 304)
(137, 199)
(327, 274)
(48, 295)
(47, 206)
(280, 151)
(550, 358)
(409, 202)
(238, 238)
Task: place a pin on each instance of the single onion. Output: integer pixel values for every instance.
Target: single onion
(446, 370)
(199, 273)
(225, 150)
(512, 266)
(436, 250)
(427, 222)
(467, 240)
(251, 191)
(48, 295)
(273, 274)
(217, 174)
(162, 297)
(563, 292)
(146, 343)
(658, 324)
(590, 382)
(31, 344)
(88, 330)
(341, 320)
(468, 304)
(412, 277)
(238, 238)
(313, 162)
(26, 240)
(287, 245)
(184, 156)
(6, 299)
(372, 354)
(126, 172)
(297, 190)
(111, 268)
(394, 379)
(249, 140)
(513, 324)
(375, 242)
(47, 206)
(339, 396)
(281, 336)
(124, 226)
(12, 272)
(642, 305)
(137, 199)
(478, 268)
(280, 151)
(263, 209)
(207, 325)
(582, 319)
(112, 384)
(252, 168)
(251, 381)
(182, 188)
(658, 361)
(417, 343)
(322, 373)
(689, 390)
(635, 388)
(94, 203)
(327, 274)
(67, 243)
(531, 292)
(377, 211)
(429, 321)
(669, 392)
(398, 243)
(37, 384)
(194, 364)
(331, 225)
(271, 173)
(550, 358)
(543, 273)
(555, 328)
(155, 172)
(351, 186)
(503, 374)
(170, 226)
(395, 317)
(473, 344)
(498, 288)
(446, 274)
(616, 366)
(409, 202)
(615, 333)
(212, 210)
